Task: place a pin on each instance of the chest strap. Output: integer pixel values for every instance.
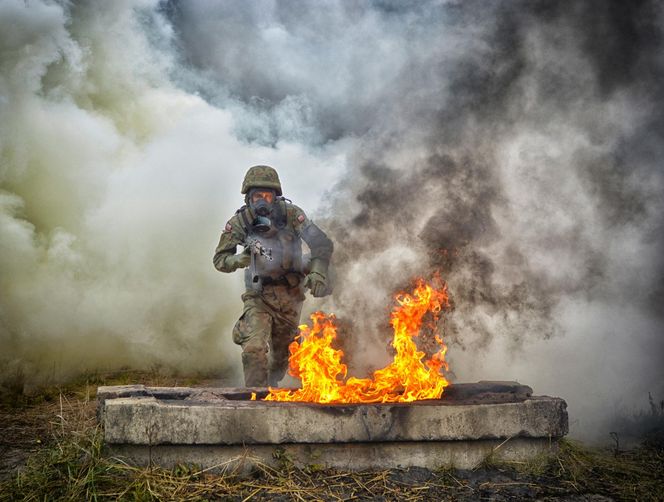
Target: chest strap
(246, 224)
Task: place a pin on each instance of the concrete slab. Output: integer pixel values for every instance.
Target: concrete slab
(147, 420)
(461, 393)
(206, 426)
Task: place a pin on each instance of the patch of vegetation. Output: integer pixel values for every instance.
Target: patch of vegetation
(623, 475)
(14, 394)
(645, 424)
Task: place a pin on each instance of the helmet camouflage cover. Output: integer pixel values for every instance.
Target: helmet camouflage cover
(261, 177)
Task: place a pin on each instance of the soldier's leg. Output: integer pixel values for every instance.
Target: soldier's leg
(284, 331)
(253, 332)
(282, 336)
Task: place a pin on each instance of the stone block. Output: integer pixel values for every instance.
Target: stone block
(469, 422)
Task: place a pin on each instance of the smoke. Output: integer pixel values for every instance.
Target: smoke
(115, 186)
(526, 169)
(528, 173)
(515, 147)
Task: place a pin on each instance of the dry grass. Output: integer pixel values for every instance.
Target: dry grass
(636, 474)
(65, 461)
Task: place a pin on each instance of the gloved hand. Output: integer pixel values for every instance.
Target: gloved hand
(317, 283)
(236, 261)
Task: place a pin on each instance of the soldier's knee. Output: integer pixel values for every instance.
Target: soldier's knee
(255, 345)
(252, 325)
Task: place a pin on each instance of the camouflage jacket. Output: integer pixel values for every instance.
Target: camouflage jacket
(290, 228)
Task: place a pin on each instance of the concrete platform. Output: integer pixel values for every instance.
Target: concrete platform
(213, 427)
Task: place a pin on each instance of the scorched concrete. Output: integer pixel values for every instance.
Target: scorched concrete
(212, 427)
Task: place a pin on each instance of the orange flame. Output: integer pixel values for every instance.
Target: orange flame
(318, 365)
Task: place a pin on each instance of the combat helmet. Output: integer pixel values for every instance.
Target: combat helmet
(261, 177)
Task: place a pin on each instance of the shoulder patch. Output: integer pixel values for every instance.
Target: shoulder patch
(228, 227)
(296, 217)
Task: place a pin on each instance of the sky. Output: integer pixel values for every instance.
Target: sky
(515, 147)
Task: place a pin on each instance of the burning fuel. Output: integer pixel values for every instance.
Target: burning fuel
(409, 377)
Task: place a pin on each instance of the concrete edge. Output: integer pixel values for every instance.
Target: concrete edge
(244, 459)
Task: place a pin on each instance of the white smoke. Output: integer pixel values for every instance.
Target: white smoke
(115, 186)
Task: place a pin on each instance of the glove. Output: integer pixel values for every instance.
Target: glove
(236, 261)
(317, 283)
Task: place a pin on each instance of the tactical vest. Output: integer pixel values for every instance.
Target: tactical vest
(282, 240)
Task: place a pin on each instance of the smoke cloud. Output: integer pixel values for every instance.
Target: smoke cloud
(514, 147)
(115, 186)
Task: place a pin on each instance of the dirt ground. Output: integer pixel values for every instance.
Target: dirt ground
(23, 432)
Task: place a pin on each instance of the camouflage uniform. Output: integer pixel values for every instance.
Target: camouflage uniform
(275, 288)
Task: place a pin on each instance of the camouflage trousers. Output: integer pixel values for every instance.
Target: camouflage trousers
(267, 326)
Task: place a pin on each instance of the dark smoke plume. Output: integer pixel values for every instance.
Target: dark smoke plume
(527, 169)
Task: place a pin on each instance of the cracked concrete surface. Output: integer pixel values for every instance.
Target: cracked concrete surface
(182, 425)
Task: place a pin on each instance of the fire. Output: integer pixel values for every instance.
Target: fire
(319, 365)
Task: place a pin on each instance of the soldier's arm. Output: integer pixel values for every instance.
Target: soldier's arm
(319, 243)
(321, 251)
(224, 255)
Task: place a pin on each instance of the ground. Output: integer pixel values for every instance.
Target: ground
(51, 449)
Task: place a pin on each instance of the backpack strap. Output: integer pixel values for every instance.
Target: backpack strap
(282, 213)
(244, 218)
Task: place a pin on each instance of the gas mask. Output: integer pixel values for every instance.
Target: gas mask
(261, 202)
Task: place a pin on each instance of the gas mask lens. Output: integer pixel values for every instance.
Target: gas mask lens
(268, 195)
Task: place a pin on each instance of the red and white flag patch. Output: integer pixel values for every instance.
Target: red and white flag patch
(301, 218)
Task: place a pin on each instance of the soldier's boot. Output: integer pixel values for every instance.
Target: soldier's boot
(276, 374)
(255, 365)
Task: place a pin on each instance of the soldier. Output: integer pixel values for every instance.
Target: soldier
(271, 229)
